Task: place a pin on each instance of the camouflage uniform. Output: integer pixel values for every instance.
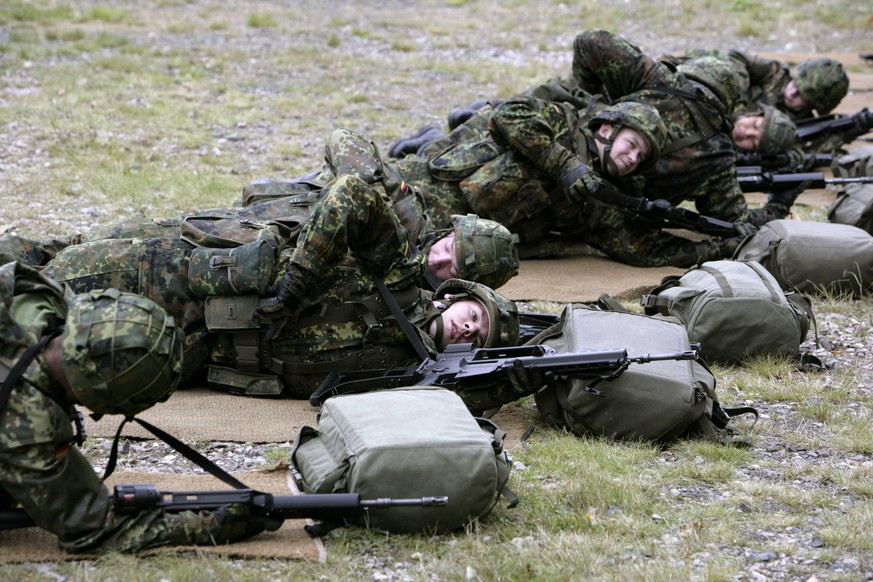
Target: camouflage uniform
(522, 188)
(699, 164)
(40, 468)
(333, 329)
(487, 251)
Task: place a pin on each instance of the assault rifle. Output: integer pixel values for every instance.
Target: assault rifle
(849, 127)
(325, 507)
(660, 213)
(772, 162)
(755, 179)
(463, 367)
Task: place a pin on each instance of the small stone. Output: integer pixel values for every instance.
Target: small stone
(767, 556)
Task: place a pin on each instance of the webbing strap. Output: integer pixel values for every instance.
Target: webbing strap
(719, 277)
(403, 321)
(186, 451)
(765, 279)
(20, 366)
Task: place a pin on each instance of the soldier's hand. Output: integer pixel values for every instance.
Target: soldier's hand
(787, 197)
(288, 300)
(237, 521)
(271, 309)
(578, 181)
(524, 381)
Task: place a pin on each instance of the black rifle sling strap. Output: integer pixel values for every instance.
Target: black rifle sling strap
(403, 321)
(186, 451)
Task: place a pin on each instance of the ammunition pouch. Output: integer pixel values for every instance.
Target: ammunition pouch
(240, 270)
(262, 190)
(462, 159)
(236, 315)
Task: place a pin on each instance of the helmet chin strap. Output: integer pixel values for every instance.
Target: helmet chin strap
(607, 164)
(438, 319)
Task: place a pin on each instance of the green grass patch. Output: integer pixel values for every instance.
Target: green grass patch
(262, 20)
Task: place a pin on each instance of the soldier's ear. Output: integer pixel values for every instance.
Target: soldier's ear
(605, 130)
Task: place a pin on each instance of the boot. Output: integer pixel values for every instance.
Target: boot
(462, 114)
(410, 145)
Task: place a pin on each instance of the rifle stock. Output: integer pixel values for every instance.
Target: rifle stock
(328, 507)
(462, 367)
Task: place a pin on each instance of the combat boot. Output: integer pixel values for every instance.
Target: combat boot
(461, 114)
(410, 145)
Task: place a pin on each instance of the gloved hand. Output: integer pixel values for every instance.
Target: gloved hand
(236, 522)
(787, 197)
(578, 181)
(524, 381)
(289, 296)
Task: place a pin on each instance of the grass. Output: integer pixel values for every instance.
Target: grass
(167, 106)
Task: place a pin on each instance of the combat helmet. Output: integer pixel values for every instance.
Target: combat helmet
(122, 352)
(822, 82)
(641, 117)
(719, 76)
(486, 251)
(778, 133)
(502, 313)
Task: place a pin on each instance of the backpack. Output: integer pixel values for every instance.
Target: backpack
(734, 309)
(402, 443)
(810, 255)
(854, 206)
(658, 401)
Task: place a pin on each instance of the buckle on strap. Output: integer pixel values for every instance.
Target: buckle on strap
(649, 300)
(222, 261)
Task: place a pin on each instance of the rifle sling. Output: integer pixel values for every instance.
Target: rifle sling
(195, 457)
(403, 321)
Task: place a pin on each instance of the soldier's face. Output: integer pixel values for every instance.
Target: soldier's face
(792, 97)
(629, 149)
(442, 260)
(747, 132)
(465, 321)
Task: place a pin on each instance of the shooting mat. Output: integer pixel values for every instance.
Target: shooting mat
(288, 542)
(201, 414)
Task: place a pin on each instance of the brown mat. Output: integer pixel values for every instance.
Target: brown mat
(201, 414)
(205, 415)
(582, 278)
(288, 542)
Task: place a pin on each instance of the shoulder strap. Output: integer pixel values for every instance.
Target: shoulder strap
(403, 321)
(24, 361)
